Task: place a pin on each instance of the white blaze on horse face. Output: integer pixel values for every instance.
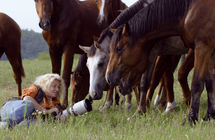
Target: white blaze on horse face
(101, 13)
(95, 72)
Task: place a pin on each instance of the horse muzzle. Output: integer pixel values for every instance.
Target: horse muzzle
(45, 25)
(124, 90)
(96, 95)
(102, 21)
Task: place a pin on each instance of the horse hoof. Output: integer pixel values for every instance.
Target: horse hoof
(102, 108)
(170, 106)
(128, 106)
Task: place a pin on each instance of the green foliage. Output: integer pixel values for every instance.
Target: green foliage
(32, 43)
(113, 124)
(43, 56)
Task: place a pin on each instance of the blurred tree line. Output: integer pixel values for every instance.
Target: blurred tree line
(33, 46)
(32, 43)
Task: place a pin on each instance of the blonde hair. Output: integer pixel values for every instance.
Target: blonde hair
(45, 81)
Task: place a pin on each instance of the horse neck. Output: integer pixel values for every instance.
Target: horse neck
(63, 10)
(157, 22)
(118, 6)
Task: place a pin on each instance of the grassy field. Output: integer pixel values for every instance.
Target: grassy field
(115, 123)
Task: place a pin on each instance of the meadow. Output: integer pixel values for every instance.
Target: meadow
(114, 123)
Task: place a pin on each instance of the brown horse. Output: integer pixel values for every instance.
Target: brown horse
(67, 24)
(10, 44)
(150, 78)
(167, 18)
(80, 80)
(109, 10)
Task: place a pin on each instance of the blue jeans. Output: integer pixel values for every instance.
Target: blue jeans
(17, 112)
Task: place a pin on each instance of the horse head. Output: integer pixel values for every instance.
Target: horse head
(127, 82)
(123, 57)
(105, 8)
(44, 10)
(80, 85)
(97, 61)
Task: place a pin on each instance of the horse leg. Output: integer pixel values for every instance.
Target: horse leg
(210, 82)
(15, 60)
(116, 96)
(68, 63)
(168, 79)
(163, 100)
(201, 69)
(109, 99)
(159, 69)
(137, 93)
(128, 101)
(183, 72)
(158, 97)
(144, 86)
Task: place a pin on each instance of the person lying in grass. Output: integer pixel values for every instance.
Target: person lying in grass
(44, 96)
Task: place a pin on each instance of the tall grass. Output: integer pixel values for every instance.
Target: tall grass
(114, 123)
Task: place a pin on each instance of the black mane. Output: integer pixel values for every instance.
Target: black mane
(81, 63)
(124, 17)
(157, 13)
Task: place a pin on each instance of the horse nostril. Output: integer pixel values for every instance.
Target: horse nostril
(77, 86)
(95, 94)
(46, 24)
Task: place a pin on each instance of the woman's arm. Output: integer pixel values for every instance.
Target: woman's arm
(39, 107)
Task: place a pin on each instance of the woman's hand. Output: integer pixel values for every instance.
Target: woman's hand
(54, 109)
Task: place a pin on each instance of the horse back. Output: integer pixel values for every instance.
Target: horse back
(205, 27)
(9, 30)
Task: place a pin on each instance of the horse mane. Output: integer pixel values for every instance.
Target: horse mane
(81, 63)
(127, 14)
(157, 13)
(124, 17)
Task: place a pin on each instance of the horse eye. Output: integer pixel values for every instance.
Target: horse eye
(35, 0)
(100, 64)
(118, 49)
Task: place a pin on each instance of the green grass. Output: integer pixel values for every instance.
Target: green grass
(115, 123)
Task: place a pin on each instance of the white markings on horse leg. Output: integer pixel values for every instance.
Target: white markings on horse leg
(169, 107)
(107, 105)
(157, 99)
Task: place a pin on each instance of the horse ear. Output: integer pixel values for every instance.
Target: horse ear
(112, 30)
(95, 38)
(85, 49)
(96, 44)
(125, 30)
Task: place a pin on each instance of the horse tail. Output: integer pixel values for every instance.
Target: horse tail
(20, 65)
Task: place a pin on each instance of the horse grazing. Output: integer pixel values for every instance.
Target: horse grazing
(109, 10)
(80, 84)
(80, 77)
(157, 66)
(161, 19)
(80, 80)
(10, 44)
(97, 62)
(67, 24)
